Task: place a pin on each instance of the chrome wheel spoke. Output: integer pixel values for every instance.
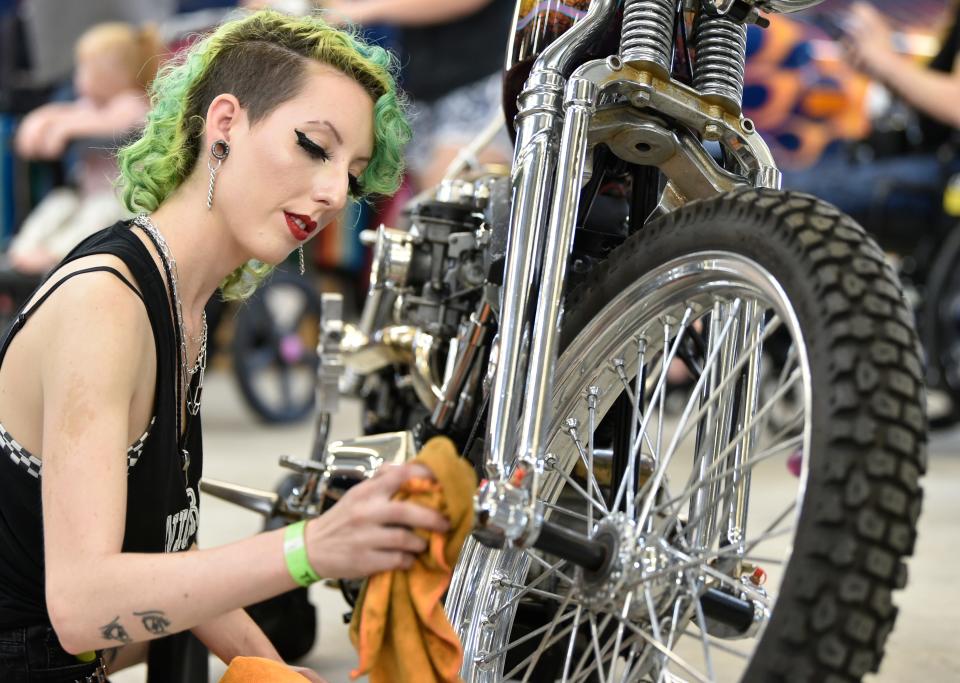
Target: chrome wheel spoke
(649, 491)
(523, 590)
(570, 644)
(668, 654)
(587, 465)
(531, 661)
(523, 639)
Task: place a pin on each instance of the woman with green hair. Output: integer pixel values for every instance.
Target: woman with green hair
(255, 141)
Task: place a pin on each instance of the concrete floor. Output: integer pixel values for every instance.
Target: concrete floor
(923, 647)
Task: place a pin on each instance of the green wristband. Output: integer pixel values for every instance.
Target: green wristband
(295, 553)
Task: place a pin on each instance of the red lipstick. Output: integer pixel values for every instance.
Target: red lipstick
(299, 233)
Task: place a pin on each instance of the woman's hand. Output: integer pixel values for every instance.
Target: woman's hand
(29, 139)
(366, 532)
(53, 142)
(870, 42)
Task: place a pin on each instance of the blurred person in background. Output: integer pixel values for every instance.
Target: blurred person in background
(866, 187)
(115, 64)
(453, 55)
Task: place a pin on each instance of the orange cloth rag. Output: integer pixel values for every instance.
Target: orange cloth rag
(259, 670)
(399, 627)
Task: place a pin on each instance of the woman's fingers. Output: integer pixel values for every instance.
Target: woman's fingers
(390, 478)
(398, 538)
(389, 560)
(414, 516)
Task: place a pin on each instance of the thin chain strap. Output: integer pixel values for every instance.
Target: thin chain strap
(170, 265)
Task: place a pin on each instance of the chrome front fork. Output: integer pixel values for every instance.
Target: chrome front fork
(549, 172)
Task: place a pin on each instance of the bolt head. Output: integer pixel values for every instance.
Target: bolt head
(641, 98)
(712, 132)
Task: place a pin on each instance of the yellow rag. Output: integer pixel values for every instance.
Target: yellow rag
(259, 670)
(399, 627)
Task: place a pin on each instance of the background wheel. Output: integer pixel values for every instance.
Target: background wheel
(939, 327)
(275, 348)
(744, 550)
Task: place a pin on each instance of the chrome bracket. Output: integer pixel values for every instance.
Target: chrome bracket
(681, 104)
(507, 514)
(330, 370)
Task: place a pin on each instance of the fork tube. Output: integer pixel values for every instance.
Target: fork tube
(580, 103)
(532, 182)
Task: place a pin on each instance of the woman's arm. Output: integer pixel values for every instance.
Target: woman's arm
(123, 113)
(29, 138)
(401, 12)
(871, 47)
(234, 634)
(934, 93)
(98, 597)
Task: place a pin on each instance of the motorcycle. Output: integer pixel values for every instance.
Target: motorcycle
(534, 315)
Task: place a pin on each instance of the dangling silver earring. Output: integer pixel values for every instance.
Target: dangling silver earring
(219, 150)
(302, 268)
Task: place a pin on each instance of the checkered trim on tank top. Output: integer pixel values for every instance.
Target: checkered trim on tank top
(22, 457)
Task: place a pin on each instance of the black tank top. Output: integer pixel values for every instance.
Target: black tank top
(440, 58)
(162, 500)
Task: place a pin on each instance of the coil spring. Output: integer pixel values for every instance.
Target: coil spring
(721, 48)
(647, 34)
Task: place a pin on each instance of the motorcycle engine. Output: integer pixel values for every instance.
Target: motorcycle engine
(427, 280)
(452, 242)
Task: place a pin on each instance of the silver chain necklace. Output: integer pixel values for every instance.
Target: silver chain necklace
(186, 373)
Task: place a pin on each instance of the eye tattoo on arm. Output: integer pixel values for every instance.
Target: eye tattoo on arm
(114, 631)
(154, 621)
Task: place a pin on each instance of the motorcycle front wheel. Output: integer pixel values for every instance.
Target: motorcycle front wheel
(741, 547)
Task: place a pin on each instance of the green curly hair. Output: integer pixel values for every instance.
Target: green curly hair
(262, 60)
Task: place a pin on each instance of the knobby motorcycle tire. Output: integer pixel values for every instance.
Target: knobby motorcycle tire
(863, 498)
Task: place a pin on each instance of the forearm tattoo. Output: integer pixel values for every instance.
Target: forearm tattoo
(154, 621)
(114, 631)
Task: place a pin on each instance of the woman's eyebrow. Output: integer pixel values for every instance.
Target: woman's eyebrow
(329, 125)
(336, 134)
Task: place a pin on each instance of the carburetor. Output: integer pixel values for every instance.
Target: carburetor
(436, 268)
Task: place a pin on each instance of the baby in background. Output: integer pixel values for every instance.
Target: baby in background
(115, 64)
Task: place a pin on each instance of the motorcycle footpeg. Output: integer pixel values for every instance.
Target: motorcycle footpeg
(266, 503)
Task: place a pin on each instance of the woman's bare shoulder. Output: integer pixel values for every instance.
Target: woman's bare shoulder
(88, 310)
(88, 343)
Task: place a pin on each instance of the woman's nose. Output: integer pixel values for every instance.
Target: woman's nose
(330, 189)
